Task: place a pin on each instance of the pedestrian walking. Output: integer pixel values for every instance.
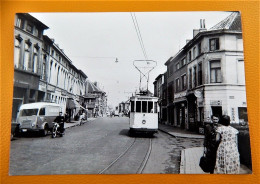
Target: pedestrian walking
(210, 142)
(227, 160)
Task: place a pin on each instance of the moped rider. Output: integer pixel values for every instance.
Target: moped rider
(60, 120)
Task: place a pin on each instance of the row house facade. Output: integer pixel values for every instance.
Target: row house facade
(28, 41)
(95, 100)
(160, 91)
(206, 77)
(42, 71)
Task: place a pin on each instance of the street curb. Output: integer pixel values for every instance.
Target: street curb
(182, 163)
(167, 132)
(77, 124)
(180, 136)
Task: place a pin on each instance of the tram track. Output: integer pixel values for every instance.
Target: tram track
(131, 158)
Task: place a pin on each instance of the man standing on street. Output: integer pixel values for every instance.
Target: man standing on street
(210, 141)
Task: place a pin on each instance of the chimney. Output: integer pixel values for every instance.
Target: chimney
(195, 32)
(202, 25)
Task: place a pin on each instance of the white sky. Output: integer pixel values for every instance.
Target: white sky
(93, 41)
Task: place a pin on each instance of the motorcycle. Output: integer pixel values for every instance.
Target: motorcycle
(83, 119)
(56, 131)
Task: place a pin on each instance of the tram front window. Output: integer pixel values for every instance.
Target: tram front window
(150, 107)
(138, 106)
(132, 106)
(144, 106)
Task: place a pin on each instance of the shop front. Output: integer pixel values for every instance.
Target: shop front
(180, 110)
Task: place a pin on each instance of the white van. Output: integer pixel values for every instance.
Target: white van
(38, 116)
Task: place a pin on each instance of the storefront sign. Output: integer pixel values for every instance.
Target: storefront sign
(42, 88)
(216, 102)
(51, 88)
(179, 95)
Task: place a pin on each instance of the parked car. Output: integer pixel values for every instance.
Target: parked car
(116, 113)
(37, 116)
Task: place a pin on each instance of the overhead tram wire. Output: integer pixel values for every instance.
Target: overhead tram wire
(146, 57)
(138, 32)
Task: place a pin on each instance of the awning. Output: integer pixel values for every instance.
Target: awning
(73, 104)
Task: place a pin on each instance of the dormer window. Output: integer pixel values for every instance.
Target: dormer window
(29, 28)
(19, 23)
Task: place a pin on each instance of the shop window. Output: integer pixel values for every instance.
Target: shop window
(214, 44)
(215, 72)
(217, 110)
(242, 115)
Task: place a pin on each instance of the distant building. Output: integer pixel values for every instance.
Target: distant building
(95, 100)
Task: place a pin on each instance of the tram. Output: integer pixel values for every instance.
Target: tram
(143, 114)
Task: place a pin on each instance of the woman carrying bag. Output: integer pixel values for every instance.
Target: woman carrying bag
(227, 160)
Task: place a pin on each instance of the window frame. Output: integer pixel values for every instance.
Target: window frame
(184, 81)
(195, 76)
(27, 28)
(214, 44)
(200, 73)
(177, 84)
(199, 48)
(215, 69)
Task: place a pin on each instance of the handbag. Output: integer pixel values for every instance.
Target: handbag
(205, 162)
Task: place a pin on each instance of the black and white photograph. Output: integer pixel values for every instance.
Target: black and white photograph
(129, 93)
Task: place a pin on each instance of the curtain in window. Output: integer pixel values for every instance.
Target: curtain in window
(17, 51)
(26, 56)
(35, 63)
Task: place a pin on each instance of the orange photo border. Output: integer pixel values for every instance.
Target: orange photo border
(250, 25)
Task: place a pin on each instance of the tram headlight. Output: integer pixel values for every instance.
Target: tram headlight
(143, 121)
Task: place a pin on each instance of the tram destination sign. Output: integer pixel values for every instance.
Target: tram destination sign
(143, 98)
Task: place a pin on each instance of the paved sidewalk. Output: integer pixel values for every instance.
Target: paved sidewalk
(76, 123)
(190, 162)
(190, 157)
(179, 132)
